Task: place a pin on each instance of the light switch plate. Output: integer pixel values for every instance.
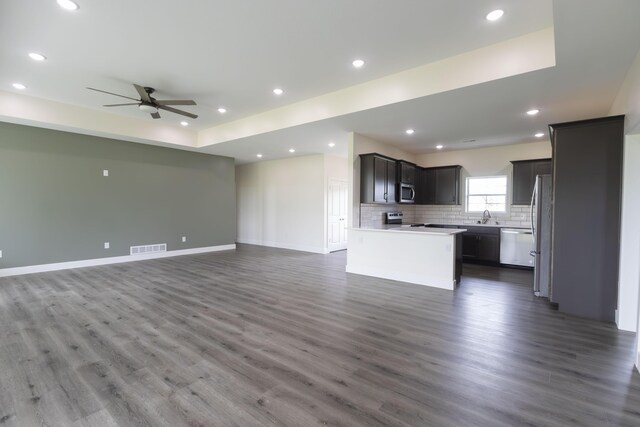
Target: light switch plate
(105, 172)
(0, 254)
(184, 238)
(106, 245)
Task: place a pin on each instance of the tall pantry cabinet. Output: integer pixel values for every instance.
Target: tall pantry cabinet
(587, 185)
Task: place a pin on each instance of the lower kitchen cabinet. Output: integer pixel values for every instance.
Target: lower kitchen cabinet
(481, 244)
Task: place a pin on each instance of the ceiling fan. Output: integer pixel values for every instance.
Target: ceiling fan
(149, 104)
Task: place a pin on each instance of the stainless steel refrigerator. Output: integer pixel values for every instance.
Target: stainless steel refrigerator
(541, 212)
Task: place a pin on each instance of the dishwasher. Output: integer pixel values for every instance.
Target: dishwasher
(516, 245)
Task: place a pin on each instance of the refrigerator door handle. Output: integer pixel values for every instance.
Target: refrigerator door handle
(533, 197)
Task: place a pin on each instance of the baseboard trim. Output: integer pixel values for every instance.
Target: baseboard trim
(30, 269)
(302, 248)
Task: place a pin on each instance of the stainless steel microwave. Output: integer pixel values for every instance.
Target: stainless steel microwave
(406, 193)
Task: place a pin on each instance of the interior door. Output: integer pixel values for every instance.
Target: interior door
(337, 214)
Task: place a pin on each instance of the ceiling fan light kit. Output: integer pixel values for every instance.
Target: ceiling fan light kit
(149, 104)
(148, 108)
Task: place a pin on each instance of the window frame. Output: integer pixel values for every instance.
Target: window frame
(506, 194)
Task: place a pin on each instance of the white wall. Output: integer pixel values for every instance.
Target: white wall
(281, 203)
(336, 167)
(629, 237)
(487, 161)
(628, 100)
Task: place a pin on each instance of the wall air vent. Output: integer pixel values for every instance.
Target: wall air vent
(148, 249)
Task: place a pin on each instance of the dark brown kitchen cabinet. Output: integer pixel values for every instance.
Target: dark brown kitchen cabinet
(481, 244)
(587, 184)
(406, 172)
(426, 186)
(440, 186)
(377, 179)
(524, 177)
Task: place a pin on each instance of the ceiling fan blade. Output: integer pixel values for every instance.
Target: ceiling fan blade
(120, 105)
(155, 115)
(111, 93)
(143, 93)
(175, 110)
(176, 102)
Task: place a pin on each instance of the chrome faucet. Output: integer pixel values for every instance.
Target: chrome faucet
(486, 216)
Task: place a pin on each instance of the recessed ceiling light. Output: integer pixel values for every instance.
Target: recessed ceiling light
(183, 123)
(439, 146)
(19, 86)
(67, 4)
(222, 110)
(533, 112)
(495, 15)
(332, 144)
(539, 135)
(358, 63)
(278, 91)
(409, 131)
(37, 56)
(292, 150)
(258, 155)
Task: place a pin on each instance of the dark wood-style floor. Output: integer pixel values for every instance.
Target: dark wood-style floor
(263, 336)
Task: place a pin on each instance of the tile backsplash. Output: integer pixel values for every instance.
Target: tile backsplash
(372, 215)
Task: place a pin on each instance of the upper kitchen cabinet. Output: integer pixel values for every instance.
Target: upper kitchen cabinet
(524, 176)
(426, 186)
(377, 179)
(587, 182)
(441, 185)
(407, 172)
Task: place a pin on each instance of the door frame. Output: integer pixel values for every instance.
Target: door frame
(345, 182)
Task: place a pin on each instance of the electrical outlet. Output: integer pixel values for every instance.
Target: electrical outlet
(106, 245)
(184, 239)
(0, 254)
(105, 172)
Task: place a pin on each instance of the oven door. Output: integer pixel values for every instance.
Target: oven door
(406, 193)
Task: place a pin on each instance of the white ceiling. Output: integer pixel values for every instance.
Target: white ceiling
(233, 53)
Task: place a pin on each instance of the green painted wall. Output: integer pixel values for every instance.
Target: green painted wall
(56, 206)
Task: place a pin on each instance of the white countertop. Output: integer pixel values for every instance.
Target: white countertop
(414, 230)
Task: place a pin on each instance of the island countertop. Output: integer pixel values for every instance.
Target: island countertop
(418, 230)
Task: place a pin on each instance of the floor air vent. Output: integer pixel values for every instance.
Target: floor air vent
(148, 249)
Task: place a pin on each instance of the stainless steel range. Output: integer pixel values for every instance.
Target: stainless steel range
(393, 217)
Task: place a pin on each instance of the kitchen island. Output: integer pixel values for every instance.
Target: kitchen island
(424, 256)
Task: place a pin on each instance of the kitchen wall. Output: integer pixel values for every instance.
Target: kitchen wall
(282, 203)
(372, 215)
(475, 162)
(487, 161)
(56, 205)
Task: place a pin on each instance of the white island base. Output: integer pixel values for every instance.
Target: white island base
(424, 256)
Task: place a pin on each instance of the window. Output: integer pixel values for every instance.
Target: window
(487, 192)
